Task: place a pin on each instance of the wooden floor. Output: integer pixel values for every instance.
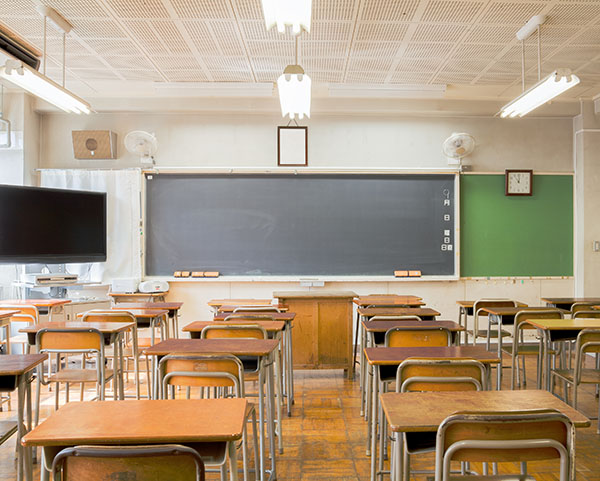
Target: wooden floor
(325, 437)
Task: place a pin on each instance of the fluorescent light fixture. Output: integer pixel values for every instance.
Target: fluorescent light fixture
(214, 89)
(408, 91)
(41, 86)
(545, 90)
(294, 92)
(294, 13)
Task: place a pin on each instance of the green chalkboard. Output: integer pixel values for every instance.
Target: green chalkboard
(516, 236)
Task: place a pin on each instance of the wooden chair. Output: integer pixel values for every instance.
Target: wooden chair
(514, 437)
(582, 306)
(223, 373)
(73, 341)
(101, 463)
(257, 309)
(478, 312)
(435, 375)
(29, 315)
(378, 338)
(588, 341)
(418, 337)
(519, 349)
(130, 349)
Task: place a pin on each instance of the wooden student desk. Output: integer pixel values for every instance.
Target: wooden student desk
(425, 411)
(173, 308)
(15, 373)
(218, 303)
(181, 421)
(151, 318)
(567, 302)
(392, 357)
(288, 357)
(263, 349)
(465, 309)
(5, 316)
(555, 330)
(273, 328)
(46, 307)
(113, 333)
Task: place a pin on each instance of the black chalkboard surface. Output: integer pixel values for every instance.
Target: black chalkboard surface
(304, 224)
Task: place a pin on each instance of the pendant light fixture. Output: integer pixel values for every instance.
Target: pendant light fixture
(544, 90)
(37, 83)
(294, 88)
(294, 13)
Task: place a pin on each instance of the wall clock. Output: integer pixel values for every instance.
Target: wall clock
(518, 182)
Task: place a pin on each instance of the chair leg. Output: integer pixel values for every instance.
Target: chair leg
(524, 372)
(56, 396)
(406, 466)
(245, 451)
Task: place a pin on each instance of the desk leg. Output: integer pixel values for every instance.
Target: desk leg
(271, 416)
(540, 360)
(461, 310)
(368, 403)
(374, 417)
(233, 470)
(261, 422)
(355, 347)
(499, 323)
(121, 339)
(363, 371)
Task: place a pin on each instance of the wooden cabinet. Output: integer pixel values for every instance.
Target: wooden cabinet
(322, 332)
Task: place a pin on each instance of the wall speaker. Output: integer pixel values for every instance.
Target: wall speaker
(94, 144)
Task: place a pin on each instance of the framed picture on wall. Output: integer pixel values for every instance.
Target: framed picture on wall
(292, 146)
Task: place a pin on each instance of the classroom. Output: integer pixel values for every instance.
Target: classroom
(341, 215)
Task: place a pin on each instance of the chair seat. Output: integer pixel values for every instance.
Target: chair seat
(79, 375)
(588, 376)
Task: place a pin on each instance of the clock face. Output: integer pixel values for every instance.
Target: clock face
(518, 182)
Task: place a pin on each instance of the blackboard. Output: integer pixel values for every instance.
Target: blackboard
(300, 225)
(516, 236)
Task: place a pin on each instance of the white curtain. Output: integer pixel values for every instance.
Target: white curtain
(123, 189)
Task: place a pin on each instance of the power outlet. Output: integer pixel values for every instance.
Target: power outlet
(596, 246)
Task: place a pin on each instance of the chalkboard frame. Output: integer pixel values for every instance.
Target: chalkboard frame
(452, 174)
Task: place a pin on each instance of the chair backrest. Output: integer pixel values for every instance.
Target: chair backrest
(588, 341)
(230, 331)
(523, 316)
(582, 306)
(27, 312)
(257, 309)
(417, 337)
(395, 318)
(102, 463)
(69, 340)
(249, 317)
(592, 314)
(481, 303)
(504, 437)
(108, 316)
(202, 370)
(440, 375)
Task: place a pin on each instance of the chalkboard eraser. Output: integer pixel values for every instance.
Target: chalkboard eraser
(211, 274)
(197, 274)
(185, 273)
(414, 273)
(177, 274)
(401, 273)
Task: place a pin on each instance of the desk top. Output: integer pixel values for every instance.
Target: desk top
(392, 299)
(172, 306)
(277, 316)
(314, 294)
(137, 294)
(18, 364)
(141, 422)
(468, 304)
(142, 313)
(240, 302)
(269, 326)
(425, 411)
(397, 311)
(511, 311)
(37, 302)
(565, 324)
(395, 355)
(383, 326)
(6, 313)
(103, 327)
(570, 300)
(237, 347)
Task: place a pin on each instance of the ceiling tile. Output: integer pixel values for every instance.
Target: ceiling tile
(452, 11)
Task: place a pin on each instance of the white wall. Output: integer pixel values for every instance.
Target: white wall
(353, 141)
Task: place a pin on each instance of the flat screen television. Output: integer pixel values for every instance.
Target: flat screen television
(51, 226)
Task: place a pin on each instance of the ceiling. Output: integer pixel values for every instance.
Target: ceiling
(124, 47)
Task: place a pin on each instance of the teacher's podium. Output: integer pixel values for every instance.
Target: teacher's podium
(322, 333)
